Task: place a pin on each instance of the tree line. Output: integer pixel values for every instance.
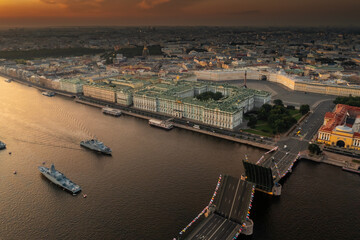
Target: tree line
(277, 116)
(351, 101)
(45, 53)
(205, 96)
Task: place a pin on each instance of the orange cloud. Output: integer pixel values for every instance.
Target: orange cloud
(75, 3)
(147, 4)
(178, 12)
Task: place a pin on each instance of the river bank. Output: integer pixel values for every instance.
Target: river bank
(334, 159)
(248, 139)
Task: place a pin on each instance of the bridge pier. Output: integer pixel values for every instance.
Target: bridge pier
(248, 229)
(276, 189)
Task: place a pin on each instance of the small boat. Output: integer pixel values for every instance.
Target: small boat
(162, 124)
(8, 80)
(48, 94)
(111, 111)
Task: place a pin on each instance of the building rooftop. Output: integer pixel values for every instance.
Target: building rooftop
(72, 80)
(341, 119)
(230, 103)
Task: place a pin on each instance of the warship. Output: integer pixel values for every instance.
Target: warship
(96, 145)
(59, 179)
(2, 145)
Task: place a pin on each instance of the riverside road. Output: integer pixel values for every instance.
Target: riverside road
(290, 147)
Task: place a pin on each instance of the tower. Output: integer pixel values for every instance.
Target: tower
(245, 80)
(145, 51)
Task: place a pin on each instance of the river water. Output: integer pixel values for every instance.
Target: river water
(155, 183)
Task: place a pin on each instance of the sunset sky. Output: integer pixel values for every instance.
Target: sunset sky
(25, 13)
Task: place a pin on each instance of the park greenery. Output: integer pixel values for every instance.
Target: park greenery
(304, 109)
(351, 101)
(205, 96)
(131, 52)
(314, 149)
(272, 119)
(22, 55)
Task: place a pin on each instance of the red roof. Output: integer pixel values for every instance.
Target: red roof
(356, 135)
(329, 115)
(337, 117)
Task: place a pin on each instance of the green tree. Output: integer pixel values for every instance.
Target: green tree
(264, 112)
(280, 125)
(278, 109)
(278, 102)
(304, 109)
(267, 107)
(314, 149)
(209, 95)
(217, 96)
(252, 122)
(289, 121)
(351, 101)
(290, 107)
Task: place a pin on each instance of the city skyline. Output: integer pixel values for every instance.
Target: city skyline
(145, 119)
(42, 13)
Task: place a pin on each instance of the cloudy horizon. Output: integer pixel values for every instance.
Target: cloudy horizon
(33, 13)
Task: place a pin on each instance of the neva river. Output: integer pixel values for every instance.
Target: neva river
(155, 183)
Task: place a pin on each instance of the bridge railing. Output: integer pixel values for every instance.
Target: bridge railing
(247, 215)
(204, 210)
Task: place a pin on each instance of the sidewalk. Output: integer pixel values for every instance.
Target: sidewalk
(329, 158)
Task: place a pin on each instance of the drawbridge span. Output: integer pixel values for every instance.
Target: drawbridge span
(227, 214)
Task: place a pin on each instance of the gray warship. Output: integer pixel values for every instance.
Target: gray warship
(59, 179)
(2, 145)
(96, 145)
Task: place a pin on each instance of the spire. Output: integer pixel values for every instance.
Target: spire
(245, 80)
(145, 52)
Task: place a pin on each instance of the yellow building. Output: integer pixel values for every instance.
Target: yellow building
(341, 127)
(313, 87)
(104, 93)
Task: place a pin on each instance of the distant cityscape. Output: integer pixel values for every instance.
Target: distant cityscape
(294, 93)
(152, 68)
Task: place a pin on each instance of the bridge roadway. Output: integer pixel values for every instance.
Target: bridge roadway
(292, 145)
(231, 207)
(216, 227)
